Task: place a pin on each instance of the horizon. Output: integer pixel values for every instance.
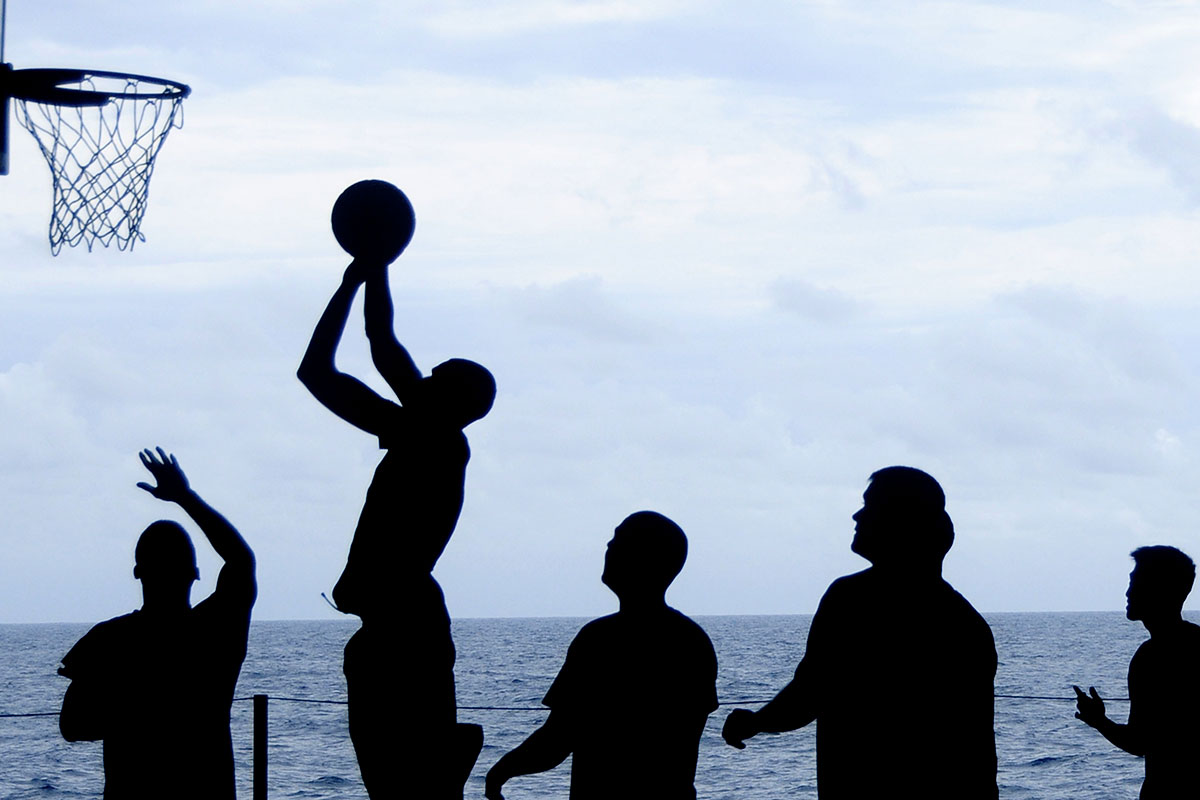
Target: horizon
(350, 620)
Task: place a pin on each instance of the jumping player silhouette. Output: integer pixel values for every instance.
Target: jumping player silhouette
(399, 666)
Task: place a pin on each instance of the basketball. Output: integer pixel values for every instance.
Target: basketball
(373, 220)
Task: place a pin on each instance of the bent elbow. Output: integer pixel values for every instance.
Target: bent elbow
(73, 731)
(305, 373)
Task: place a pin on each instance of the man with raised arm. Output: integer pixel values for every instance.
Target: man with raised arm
(899, 668)
(1164, 711)
(631, 699)
(156, 685)
(400, 665)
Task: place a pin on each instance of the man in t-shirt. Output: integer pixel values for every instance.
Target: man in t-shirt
(399, 666)
(156, 685)
(631, 699)
(899, 668)
(1164, 712)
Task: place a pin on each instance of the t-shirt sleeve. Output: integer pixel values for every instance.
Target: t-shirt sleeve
(708, 691)
(72, 664)
(817, 648)
(82, 659)
(564, 691)
(686, 681)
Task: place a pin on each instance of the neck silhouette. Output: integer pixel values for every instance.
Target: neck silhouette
(641, 602)
(166, 598)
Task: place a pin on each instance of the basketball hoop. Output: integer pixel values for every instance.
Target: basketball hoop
(100, 133)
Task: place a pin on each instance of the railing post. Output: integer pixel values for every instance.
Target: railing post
(260, 747)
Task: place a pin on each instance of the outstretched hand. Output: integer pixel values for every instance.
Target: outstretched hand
(1090, 709)
(172, 483)
(738, 727)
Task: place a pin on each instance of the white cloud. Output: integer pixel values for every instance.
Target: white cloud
(484, 20)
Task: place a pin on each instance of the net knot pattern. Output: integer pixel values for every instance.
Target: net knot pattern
(102, 157)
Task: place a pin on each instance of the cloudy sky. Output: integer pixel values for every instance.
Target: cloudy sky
(724, 259)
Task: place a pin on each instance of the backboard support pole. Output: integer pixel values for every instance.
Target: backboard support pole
(5, 71)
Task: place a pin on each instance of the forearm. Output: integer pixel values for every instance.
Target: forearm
(223, 537)
(1123, 736)
(390, 357)
(542, 751)
(378, 311)
(318, 361)
(792, 708)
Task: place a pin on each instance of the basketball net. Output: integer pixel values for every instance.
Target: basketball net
(101, 157)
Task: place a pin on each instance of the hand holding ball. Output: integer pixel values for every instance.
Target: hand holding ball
(373, 221)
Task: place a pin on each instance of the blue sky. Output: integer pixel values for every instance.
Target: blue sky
(725, 260)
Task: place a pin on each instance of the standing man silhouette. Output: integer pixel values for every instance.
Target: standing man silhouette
(899, 668)
(1164, 712)
(399, 666)
(156, 685)
(648, 654)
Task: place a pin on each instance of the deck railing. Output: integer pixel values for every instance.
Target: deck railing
(261, 721)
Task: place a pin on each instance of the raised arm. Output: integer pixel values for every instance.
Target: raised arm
(545, 749)
(237, 575)
(390, 357)
(348, 397)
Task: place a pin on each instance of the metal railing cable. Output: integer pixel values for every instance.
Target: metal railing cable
(747, 701)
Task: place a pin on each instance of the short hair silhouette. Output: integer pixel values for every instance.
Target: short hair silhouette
(164, 550)
(1172, 573)
(659, 549)
(914, 506)
(470, 389)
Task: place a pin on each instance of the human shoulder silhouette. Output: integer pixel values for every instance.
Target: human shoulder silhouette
(156, 685)
(630, 701)
(895, 627)
(1164, 710)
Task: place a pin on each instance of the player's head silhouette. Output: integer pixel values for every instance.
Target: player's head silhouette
(460, 389)
(645, 554)
(1161, 580)
(165, 563)
(903, 519)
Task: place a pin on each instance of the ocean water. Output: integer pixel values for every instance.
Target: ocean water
(1044, 752)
